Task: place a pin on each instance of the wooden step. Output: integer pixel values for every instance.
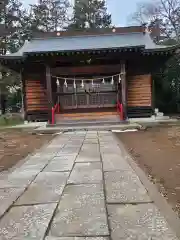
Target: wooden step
(94, 116)
(87, 114)
(87, 118)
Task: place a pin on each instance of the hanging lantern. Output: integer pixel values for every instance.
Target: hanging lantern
(82, 84)
(112, 80)
(65, 83)
(74, 84)
(119, 78)
(103, 81)
(57, 82)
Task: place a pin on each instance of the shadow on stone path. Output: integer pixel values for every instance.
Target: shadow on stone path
(79, 186)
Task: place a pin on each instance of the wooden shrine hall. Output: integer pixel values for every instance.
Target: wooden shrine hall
(89, 73)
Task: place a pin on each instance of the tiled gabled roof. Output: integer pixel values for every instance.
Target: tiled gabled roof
(90, 42)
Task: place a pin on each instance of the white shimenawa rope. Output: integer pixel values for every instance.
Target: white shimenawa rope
(89, 79)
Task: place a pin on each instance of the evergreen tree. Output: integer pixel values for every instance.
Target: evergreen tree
(49, 15)
(90, 14)
(11, 22)
(11, 15)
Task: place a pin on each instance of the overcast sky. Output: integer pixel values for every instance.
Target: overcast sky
(120, 10)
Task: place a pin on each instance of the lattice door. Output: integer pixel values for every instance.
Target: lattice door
(68, 101)
(108, 99)
(94, 100)
(82, 101)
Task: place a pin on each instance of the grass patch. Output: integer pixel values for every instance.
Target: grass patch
(10, 120)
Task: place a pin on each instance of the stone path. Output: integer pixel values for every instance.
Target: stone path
(79, 187)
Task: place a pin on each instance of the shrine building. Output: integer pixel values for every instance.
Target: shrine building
(89, 73)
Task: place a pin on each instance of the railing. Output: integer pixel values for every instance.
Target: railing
(54, 109)
(120, 110)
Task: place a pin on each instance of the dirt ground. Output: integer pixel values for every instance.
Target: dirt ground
(16, 144)
(157, 152)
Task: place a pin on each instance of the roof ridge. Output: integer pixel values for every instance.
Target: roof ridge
(86, 36)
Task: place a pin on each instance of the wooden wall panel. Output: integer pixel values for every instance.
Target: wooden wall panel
(36, 98)
(139, 91)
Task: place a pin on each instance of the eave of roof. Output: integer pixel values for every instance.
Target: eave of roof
(9, 57)
(85, 51)
(163, 48)
(130, 42)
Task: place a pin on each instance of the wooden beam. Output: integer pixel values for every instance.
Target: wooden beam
(153, 94)
(49, 86)
(124, 88)
(23, 92)
(81, 70)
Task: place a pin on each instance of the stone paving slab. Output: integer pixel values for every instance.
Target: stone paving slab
(63, 154)
(69, 151)
(32, 162)
(111, 154)
(59, 164)
(7, 197)
(110, 150)
(26, 222)
(114, 162)
(91, 141)
(3, 175)
(32, 166)
(91, 136)
(88, 153)
(81, 212)
(86, 173)
(141, 222)
(18, 179)
(89, 146)
(46, 188)
(106, 138)
(83, 157)
(109, 141)
(90, 150)
(77, 238)
(75, 143)
(43, 156)
(56, 146)
(72, 147)
(51, 151)
(109, 146)
(91, 133)
(124, 187)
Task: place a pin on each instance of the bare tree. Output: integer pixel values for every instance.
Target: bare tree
(164, 13)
